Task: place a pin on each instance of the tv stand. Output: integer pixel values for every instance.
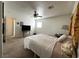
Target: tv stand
(25, 32)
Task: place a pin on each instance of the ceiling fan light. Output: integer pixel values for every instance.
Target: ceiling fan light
(36, 14)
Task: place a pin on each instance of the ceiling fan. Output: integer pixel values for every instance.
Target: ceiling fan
(36, 14)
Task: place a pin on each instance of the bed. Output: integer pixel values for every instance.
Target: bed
(44, 46)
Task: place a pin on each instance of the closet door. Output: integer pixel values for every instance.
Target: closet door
(9, 26)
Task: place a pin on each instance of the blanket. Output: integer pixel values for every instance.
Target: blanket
(40, 44)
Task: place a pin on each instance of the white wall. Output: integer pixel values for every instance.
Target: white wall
(20, 12)
(24, 12)
(53, 25)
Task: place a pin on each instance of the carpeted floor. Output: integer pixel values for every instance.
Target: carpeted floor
(13, 48)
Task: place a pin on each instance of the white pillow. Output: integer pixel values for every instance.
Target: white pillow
(63, 37)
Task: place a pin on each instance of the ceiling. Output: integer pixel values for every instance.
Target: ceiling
(58, 7)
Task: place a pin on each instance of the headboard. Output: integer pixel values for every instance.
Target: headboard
(74, 27)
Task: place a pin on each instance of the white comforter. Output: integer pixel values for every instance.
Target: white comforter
(40, 44)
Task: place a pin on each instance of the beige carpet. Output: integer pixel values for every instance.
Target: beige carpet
(13, 48)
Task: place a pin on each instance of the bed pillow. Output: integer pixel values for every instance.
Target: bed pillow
(62, 38)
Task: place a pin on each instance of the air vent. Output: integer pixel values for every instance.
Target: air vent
(50, 7)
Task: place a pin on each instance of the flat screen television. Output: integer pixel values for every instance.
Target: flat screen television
(26, 27)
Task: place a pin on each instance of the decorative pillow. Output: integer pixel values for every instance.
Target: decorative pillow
(63, 37)
(67, 48)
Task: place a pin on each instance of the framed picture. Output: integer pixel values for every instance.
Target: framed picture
(21, 23)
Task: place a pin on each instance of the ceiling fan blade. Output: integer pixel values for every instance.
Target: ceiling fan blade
(39, 16)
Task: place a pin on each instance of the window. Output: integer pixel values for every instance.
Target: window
(39, 24)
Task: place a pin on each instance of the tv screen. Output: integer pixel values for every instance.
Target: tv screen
(26, 27)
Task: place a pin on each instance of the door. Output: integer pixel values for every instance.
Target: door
(9, 27)
(1, 36)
